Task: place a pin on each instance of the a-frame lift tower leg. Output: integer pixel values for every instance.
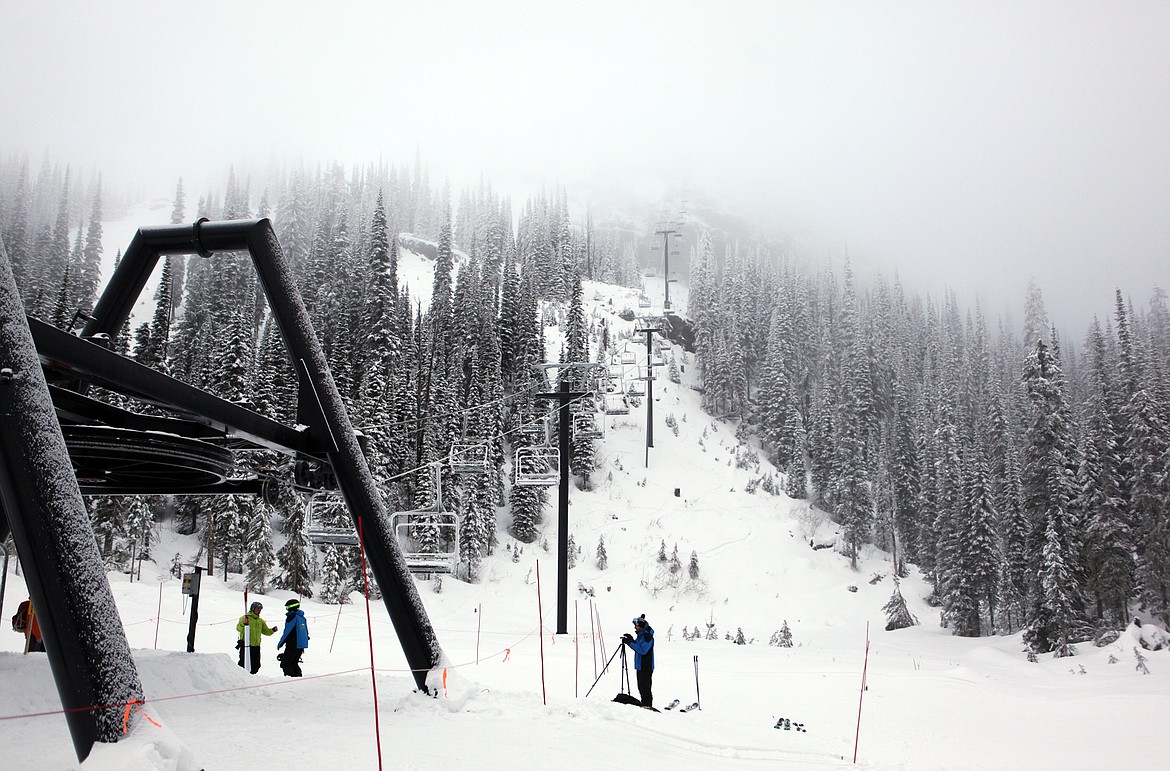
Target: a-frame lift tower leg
(320, 404)
(42, 504)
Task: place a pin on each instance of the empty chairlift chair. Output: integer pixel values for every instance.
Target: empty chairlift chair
(535, 426)
(469, 458)
(537, 466)
(586, 426)
(429, 539)
(615, 404)
(329, 520)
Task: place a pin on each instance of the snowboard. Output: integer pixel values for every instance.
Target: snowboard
(671, 705)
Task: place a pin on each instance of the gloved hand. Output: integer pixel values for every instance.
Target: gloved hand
(239, 644)
(627, 638)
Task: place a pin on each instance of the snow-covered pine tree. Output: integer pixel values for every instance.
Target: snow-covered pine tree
(1146, 454)
(898, 616)
(572, 555)
(296, 557)
(90, 268)
(1049, 491)
(258, 554)
(602, 557)
(1108, 539)
(333, 583)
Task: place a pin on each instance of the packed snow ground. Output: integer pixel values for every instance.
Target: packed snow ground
(515, 693)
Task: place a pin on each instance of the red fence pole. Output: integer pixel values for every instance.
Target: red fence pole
(864, 670)
(370, 630)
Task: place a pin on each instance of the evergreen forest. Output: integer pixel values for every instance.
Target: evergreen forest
(1024, 469)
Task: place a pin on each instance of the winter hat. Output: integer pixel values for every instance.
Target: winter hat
(640, 621)
(292, 605)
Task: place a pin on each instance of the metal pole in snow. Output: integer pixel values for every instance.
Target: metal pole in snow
(576, 650)
(158, 616)
(336, 623)
(3, 577)
(600, 634)
(540, 631)
(478, 627)
(593, 632)
(864, 669)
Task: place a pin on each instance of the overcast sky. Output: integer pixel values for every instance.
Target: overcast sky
(969, 145)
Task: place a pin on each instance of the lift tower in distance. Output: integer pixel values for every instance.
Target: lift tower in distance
(667, 230)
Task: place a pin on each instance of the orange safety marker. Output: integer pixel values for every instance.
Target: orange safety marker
(445, 696)
(126, 715)
(507, 653)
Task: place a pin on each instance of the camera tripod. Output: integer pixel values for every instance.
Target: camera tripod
(624, 683)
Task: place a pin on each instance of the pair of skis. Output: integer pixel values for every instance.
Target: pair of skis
(671, 706)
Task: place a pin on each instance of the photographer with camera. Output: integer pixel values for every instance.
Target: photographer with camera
(642, 644)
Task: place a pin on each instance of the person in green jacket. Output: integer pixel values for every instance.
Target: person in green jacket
(250, 649)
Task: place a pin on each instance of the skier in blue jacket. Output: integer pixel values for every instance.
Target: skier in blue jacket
(642, 644)
(294, 639)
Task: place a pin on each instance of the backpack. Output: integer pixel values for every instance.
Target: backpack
(20, 620)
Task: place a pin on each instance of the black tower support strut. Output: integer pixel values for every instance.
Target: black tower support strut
(86, 644)
(319, 402)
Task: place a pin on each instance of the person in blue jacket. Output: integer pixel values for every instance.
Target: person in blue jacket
(294, 639)
(642, 644)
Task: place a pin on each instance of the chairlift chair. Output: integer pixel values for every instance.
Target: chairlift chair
(615, 404)
(643, 301)
(637, 388)
(469, 458)
(410, 527)
(537, 466)
(586, 426)
(535, 426)
(628, 357)
(319, 530)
